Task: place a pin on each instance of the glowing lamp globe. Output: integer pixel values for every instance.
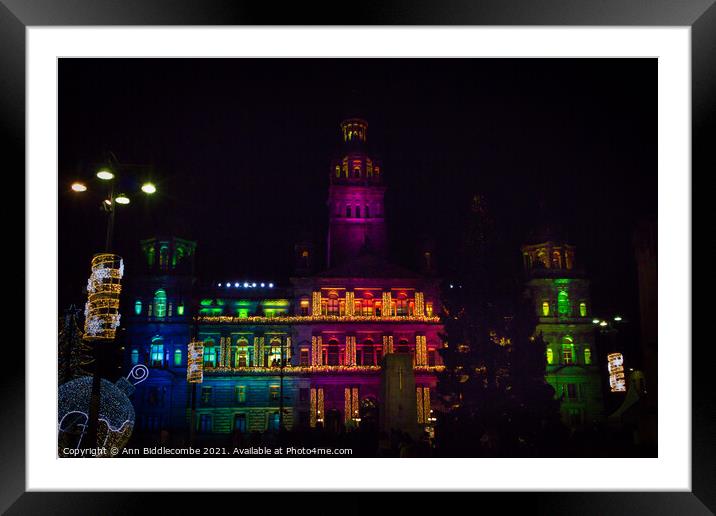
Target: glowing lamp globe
(122, 199)
(105, 175)
(78, 187)
(149, 188)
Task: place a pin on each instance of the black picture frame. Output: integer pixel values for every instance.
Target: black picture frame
(700, 15)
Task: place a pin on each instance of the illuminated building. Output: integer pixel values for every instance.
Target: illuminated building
(560, 292)
(313, 346)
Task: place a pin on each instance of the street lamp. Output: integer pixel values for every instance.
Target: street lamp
(109, 176)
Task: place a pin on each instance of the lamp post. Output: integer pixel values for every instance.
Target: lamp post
(104, 287)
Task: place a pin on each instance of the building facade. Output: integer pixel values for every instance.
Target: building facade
(305, 354)
(561, 295)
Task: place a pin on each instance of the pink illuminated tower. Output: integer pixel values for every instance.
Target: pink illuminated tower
(355, 199)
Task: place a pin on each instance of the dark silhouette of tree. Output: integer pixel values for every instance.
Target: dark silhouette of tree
(73, 354)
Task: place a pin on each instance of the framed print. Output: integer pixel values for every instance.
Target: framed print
(269, 251)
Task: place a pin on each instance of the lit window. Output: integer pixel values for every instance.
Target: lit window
(275, 353)
(332, 304)
(587, 356)
(304, 357)
(177, 357)
(401, 305)
(180, 310)
(210, 354)
(429, 308)
(305, 306)
(157, 352)
(138, 306)
(160, 303)
(367, 305)
(163, 257)
(135, 356)
(545, 308)
(242, 353)
(550, 356)
(243, 312)
(240, 391)
(583, 309)
(274, 393)
(567, 351)
(563, 303)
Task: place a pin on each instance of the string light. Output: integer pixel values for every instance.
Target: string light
(296, 319)
(421, 350)
(104, 287)
(289, 369)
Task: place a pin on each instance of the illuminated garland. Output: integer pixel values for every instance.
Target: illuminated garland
(195, 362)
(103, 289)
(350, 351)
(419, 303)
(298, 370)
(419, 403)
(387, 344)
(296, 319)
(288, 347)
(224, 343)
(421, 350)
(316, 305)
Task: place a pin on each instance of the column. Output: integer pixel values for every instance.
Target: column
(350, 350)
(387, 304)
(350, 303)
(316, 304)
(316, 406)
(419, 304)
(316, 351)
(387, 344)
(421, 351)
(259, 358)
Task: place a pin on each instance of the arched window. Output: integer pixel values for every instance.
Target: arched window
(332, 303)
(275, 352)
(163, 257)
(545, 308)
(156, 355)
(357, 212)
(177, 357)
(367, 305)
(135, 356)
(583, 309)
(160, 303)
(587, 356)
(567, 350)
(556, 260)
(563, 307)
(368, 353)
(401, 304)
(209, 353)
(550, 356)
(338, 171)
(403, 346)
(242, 352)
(367, 212)
(348, 210)
(333, 352)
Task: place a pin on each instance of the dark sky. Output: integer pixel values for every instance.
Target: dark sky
(240, 150)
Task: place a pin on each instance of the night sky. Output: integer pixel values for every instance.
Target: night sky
(240, 151)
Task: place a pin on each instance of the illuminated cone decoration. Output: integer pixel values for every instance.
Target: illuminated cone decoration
(103, 289)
